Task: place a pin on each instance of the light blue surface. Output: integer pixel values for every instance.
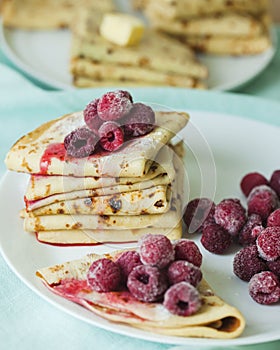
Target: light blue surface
(27, 321)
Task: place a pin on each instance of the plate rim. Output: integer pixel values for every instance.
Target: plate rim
(173, 340)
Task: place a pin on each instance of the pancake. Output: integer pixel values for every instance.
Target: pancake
(46, 14)
(42, 151)
(215, 318)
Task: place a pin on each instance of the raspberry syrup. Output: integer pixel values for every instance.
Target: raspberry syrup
(54, 150)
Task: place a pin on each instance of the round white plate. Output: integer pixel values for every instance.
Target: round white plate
(222, 148)
(45, 56)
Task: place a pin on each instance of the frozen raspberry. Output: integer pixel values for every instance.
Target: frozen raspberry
(156, 250)
(80, 142)
(139, 121)
(114, 105)
(268, 243)
(104, 275)
(231, 215)
(274, 182)
(264, 288)
(182, 299)
(262, 200)
(247, 263)
(250, 181)
(185, 249)
(91, 117)
(198, 213)
(147, 283)
(127, 261)
(246, 236)
(274, 218)
(274, 266)
(111, 136)
(181, 270)
(215, 239)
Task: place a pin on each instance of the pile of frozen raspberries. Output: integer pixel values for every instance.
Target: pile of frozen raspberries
(256, 228)
(158, 271)
(109, 121)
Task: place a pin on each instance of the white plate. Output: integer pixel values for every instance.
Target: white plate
(222, 150)
(45, 55)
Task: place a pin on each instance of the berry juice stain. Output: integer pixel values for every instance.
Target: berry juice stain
(54, 150)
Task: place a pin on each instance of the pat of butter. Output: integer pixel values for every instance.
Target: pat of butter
(122, 29)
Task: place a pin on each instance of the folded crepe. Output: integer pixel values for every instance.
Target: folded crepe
(43, 190)
(42, 151)
(46, 14)
(157, 59)
(199, 8)
(215, 319)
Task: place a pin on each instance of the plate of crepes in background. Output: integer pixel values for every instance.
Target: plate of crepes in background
(88, 189)
(218, 45)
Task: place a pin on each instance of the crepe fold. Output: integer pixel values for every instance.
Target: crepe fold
(156, 60)
(216, 27)
(109, 197)
(215, 319)
(46, 14)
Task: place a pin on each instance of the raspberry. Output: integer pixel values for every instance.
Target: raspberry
(147, 283)
(264, 288)
(186, 249)
(127, 261)
(104, 275)
(111, 136)
(247, 263)
(231, 215)
(156, 250)
(246, 236)
(198, 213)
(114, 105)
(262, 200)
(274, 266)
(182, 299)
(215, 239)
(139, 121)
(91, 117)
(274, 218)
(268, 243)
(250, 181)
(181, 270)
(274, 182)
(80, 142)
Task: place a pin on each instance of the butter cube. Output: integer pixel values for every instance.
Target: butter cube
(122, 29)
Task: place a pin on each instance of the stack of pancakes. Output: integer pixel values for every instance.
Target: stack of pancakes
(156, 60)
(235, 27)
(106, 197)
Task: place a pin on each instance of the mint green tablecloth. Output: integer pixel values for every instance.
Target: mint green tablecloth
(26, 320)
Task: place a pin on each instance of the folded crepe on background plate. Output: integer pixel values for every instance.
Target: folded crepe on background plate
(46, 14)
(108, 196)
(215, 318)
(156, 60)
(216, 27)
(186, 9)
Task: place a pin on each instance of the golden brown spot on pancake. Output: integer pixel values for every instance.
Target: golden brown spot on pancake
(25, 164)
(143, 62)
(67, 225)
(159, 204)
(60, 211)
(77, 225)
(151, 195)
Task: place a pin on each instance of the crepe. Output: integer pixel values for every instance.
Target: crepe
(52, 188)
(42, 151)
(46, 14)
(232, 25)
(215, 319)
(157, 59)
(200, 8)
